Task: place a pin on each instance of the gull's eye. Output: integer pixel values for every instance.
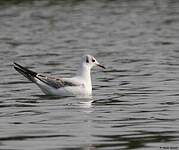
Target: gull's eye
(93, 60)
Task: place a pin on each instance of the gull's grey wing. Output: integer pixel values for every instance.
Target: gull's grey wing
(55, 82)
(50, 81)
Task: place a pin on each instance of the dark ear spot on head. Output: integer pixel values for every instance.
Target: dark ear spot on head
(87, 59)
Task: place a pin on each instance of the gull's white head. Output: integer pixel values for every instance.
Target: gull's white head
(90, 61)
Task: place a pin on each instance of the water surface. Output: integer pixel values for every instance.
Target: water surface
(135, 100)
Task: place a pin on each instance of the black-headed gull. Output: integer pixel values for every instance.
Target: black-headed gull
(78, 85)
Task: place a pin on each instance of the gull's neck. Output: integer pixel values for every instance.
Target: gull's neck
(84, 72)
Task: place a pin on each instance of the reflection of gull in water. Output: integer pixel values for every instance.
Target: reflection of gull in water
(78, 85)
(86, 104)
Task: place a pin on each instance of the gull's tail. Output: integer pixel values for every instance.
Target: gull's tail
(29, 74)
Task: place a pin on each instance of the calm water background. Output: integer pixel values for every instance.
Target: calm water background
(135, 100)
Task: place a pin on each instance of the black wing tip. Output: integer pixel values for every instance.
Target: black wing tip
(24, 69)
(16, 64)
